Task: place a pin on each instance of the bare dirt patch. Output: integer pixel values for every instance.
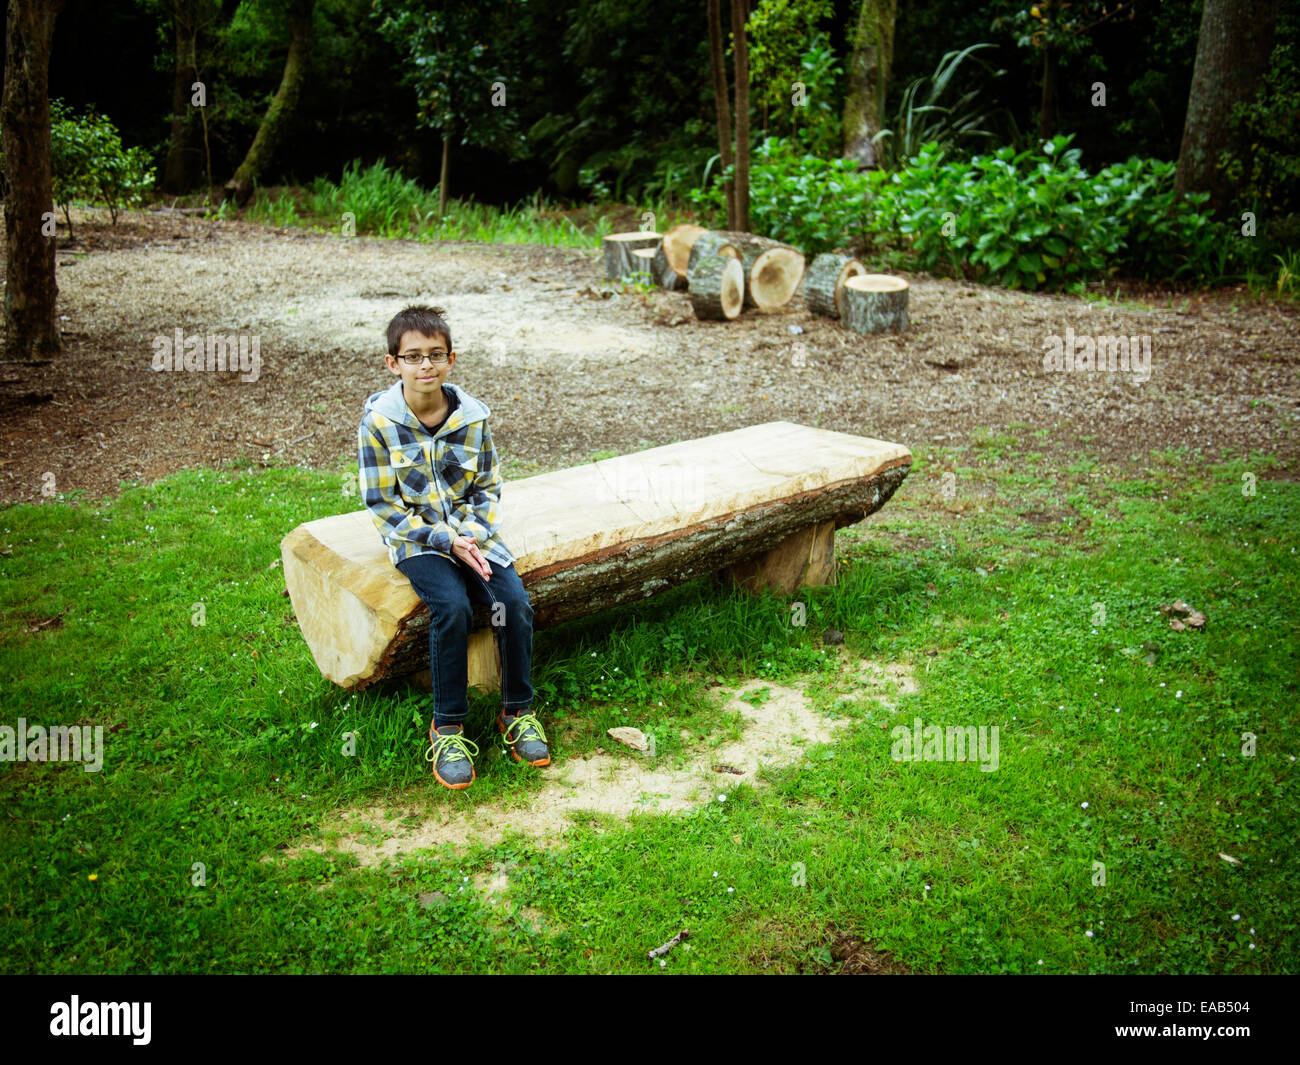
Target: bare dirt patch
(778, 728)
(567, 372)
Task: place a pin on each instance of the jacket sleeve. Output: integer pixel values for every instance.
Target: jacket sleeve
(378, 484)
(479, 514)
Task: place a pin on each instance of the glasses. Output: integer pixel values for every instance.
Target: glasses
(435, 357)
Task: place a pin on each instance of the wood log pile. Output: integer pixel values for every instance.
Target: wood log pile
(724, 272)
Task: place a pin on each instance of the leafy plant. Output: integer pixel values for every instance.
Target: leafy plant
(1037, 218)
(90, 164)
(810, 202)
(929, 121)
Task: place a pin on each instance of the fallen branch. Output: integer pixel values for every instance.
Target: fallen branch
(665, 948)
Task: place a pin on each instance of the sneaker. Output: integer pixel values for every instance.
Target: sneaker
(524, 738)
(450, 753)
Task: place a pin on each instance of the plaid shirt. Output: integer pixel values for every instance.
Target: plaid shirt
(424, 489)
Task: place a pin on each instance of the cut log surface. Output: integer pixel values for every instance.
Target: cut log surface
(647, 521)
(772, 270)
(715, 279)
(643, 263)
(823, 285)
(875, 303)
(618, 249)
(664, 274)
(677, 246)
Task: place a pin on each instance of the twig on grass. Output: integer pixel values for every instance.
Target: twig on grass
(666, 947)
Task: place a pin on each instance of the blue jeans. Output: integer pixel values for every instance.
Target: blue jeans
(445, 587)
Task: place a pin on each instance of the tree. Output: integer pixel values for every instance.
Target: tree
(461, 84)
(1060, 30)
(1232, 55)
(864, 101)
(31, 325)
(284, 104)
(722, 105)
(739, 14)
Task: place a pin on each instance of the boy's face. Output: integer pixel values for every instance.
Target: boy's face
(424, 380)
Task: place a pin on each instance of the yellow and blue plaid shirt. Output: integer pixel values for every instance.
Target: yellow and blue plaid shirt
(425, 488)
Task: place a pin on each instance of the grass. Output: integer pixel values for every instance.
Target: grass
(378, 201)
(223, 744)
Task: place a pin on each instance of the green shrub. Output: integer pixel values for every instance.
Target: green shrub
(90, 164)
(1034, 219)
(805, 200)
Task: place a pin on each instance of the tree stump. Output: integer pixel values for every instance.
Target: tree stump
(875, 303)
(618, 249)
(643, 264)
(823, 285)
(664, 274)
(772, 270)
(716, 279)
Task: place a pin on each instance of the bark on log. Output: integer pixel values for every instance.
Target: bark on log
(678, 242)
(716, 279)
(875, 303)
(823, 285)
(664, 274)
(772, 270)
(648, 521)
(618, 249)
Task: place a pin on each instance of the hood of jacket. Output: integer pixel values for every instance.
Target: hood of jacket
(391, 404)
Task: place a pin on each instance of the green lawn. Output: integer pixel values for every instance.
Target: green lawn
(1121, 743)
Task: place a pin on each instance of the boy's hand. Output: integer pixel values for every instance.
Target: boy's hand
(466, 549)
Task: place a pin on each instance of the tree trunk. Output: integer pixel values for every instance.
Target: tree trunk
(875, 303)
(772, 270)
(31, 325)
(1232, 54)
(864, 102)
(739, 13)
(715, 279)
(823, 285)
(1047, 104)
(176, 170)
(279, 116)
(722, 104)
(444, 175)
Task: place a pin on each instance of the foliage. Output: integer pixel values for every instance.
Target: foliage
(1264, 164)
(380, 200)
(803, 199)
(462, 86)
(948, 125)
(1037, 218)
(90, 164)
(778, 34)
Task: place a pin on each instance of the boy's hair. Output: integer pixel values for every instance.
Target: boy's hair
(426, 320)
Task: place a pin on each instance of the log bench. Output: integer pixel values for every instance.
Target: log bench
(757, 507)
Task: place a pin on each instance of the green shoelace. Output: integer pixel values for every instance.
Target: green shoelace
(460, 747)
(522, 722)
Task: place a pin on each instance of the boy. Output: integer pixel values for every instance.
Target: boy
(429, 474)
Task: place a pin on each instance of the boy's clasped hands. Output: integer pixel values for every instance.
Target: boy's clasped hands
(466, 549)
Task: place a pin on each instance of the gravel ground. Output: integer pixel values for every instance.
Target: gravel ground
(567, 370)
